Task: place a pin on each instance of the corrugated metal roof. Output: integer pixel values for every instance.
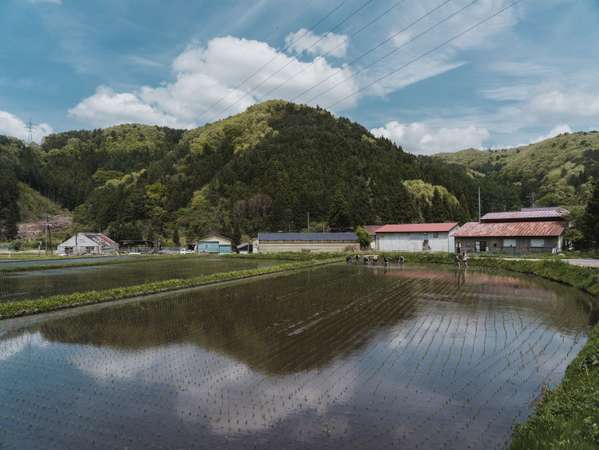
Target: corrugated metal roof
(101, 239)
(418, 228)
(307, 237)
(527, 213)
(510, 229)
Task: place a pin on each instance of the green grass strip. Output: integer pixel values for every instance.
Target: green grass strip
(36, 306)
(567, 417)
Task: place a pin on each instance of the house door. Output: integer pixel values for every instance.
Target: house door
(483, 246)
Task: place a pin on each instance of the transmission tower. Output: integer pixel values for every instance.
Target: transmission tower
(29, 127)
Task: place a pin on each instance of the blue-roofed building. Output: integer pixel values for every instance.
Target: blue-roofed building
(306, 242)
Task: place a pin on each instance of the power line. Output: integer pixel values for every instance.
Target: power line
(423, 55)
(395, 50)
(351, 35)
(244, 94)
(287, 46)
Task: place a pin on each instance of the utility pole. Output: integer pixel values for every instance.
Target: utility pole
(532, 199)
(308, 221)
(479, 207)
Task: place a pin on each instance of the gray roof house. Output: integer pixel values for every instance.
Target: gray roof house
(305, 242)
(88, 244)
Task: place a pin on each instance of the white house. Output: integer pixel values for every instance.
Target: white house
(88, 244)
(416, 237)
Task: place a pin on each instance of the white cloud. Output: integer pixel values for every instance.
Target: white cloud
(422, 138)
(11, 125)
(508, 93)
(107, 107)
(572, 103)
(209, 84)
(519, 68)
(327, 44)
(142, 61)
(555, 131)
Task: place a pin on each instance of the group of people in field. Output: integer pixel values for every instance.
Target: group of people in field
(374, 260)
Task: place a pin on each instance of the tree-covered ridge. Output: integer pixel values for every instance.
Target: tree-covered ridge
(556, 171)
(265, 169)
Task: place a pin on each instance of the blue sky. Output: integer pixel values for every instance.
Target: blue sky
(528, 73)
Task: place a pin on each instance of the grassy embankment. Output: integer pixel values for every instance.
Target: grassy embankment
(35, 306)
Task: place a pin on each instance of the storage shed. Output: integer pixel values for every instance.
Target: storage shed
(214, 243)
(306, 242)
(416, 237)
(88, 244)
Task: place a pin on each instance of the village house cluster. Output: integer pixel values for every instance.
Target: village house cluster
(530, 230)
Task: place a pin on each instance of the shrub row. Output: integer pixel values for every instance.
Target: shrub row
(35, 306)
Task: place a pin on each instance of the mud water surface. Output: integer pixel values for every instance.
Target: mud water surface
(338, 357)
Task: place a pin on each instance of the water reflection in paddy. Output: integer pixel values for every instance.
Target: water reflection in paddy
(42, 283)
(340, 357)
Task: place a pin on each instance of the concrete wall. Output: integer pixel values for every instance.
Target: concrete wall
(498, 245)
(413, 242)
(304, 246)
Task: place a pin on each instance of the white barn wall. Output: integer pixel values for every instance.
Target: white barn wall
(412, 242)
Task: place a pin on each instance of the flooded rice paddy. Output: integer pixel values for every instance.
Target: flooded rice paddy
(338, 357)
(43, 283)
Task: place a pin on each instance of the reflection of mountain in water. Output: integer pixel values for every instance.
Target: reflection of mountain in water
(305, 321)
(283, 325)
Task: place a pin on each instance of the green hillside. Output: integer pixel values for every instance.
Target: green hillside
(33, 206)
(264, 169)
(556, 171)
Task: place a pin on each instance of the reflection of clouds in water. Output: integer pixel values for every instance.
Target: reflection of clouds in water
(13, 346)
(227, 394)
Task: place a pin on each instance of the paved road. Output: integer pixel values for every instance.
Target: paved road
(583, 262)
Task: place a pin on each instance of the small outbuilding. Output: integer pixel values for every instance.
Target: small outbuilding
(416, 237)
(306, 242)
(214, 243)
(88, 244)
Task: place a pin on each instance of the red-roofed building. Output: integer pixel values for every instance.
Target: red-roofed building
(511, 237)
(416, 237)
(515, 232)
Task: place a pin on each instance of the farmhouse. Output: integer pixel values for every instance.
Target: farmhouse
(88, 244)
(306, 242)
(416, 237)
(529, 230)
(214, 243)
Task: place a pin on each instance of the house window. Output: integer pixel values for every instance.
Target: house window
(509, 243)
(537, 243)
(435, 235)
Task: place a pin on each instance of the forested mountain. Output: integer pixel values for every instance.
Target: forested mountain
(556, 171)
(264, 169)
